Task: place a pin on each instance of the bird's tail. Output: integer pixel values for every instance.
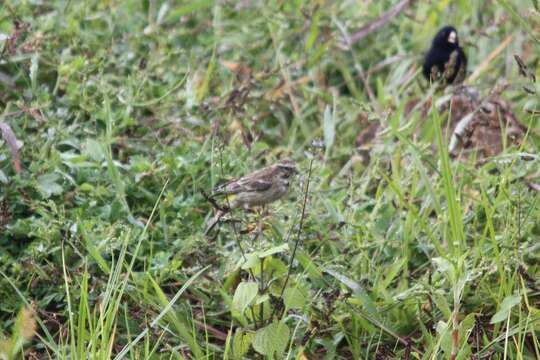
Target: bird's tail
(213, 222)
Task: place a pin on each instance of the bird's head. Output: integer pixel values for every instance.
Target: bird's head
(286, 169)
(446, 37)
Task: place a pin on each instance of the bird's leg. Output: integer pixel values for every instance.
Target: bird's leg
(214, 203)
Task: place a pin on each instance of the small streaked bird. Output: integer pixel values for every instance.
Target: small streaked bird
(256, 189)
(445, 61)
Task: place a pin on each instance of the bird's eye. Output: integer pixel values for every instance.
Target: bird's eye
(286, 175)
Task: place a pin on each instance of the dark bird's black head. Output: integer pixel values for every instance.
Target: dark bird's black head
(446, 38)
(445, 61)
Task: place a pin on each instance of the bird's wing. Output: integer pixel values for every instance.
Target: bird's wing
(462, 69)
(451, 66)
(245, 184)
(253, 185)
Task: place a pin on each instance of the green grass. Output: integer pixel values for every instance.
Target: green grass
(126, 110)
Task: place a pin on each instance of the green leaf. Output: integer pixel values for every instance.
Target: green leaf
(508, 303)
(93, 250)
(442, 305)
(94, 150)
(275, 250)
(275, 266)
(350, 283)
(359, 293)
(241, 344)
(251, 260)
(313, 31)
(203, 87)
(48, 186)
(3, 177)
(261, 299)
(86, 187)
(443, 265)
(309, 266)
(272, 339)
(329, 128)
(294, 297)
(243, 296)
(445, 336)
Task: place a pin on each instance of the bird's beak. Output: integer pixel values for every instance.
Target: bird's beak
(452, 37)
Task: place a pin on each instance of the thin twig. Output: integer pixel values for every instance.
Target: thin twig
(299, 232)
(369, 91)
(213, 201)
(378, 23)
(386, 62)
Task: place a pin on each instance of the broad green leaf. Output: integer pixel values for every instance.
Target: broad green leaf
(243, 296)
(443, 265)
(231, 280)
(465, 326)
(94, 150)
(309, 266)
(351, 284)
(508, 303)
(445, 336)
(86, 187)
(250, 261)
(275, 250)
(275, 266)
(294, 297)
(261, 310)
(241, 344)
(272, 339)
(442, 305)
(359, 293)
(3, 177)
(47, 185)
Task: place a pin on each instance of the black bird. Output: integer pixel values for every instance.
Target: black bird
(446, 60)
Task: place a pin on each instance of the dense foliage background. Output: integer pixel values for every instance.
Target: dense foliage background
(125, 110)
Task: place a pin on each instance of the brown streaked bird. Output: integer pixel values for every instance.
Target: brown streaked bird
(256, 189)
